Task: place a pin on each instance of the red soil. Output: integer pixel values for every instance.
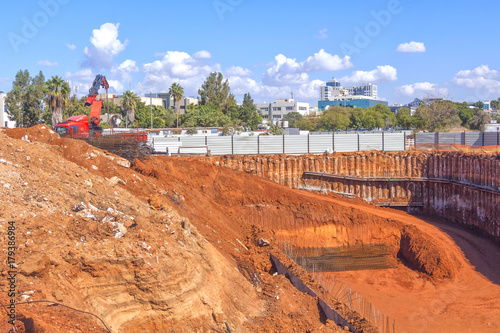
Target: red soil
(231, 210)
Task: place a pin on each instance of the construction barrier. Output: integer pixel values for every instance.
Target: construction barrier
(493, 149)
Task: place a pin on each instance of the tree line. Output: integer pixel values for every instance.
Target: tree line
(438, 116)
(33, 100)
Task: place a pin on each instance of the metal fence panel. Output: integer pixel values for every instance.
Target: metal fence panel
(421, 138)
(346, 142)
(370, 141)
(474, 139)
(296, 144)
(244, 145)
(318, 144)
(160, 144)
(451, 138)
(271, 144)
(193, 141)
(219, 145)
(394, 141)
(490, 138)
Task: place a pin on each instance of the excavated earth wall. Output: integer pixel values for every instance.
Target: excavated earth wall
(464, 188)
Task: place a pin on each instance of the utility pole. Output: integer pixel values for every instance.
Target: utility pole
(151, 108)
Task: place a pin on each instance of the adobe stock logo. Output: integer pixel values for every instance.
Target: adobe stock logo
(31, 26)
(372, 29)
(223, 6)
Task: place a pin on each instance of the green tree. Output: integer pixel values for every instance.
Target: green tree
(57, 92)
(479, 119)
(334, 118)
(247, 114)
(479, 105)
(204, 116)
(129, 104)
(215, 91)
(76, 107)
(307, 124)
(24, 102)
(293, 118)
(356, 118)
(438, 116)
(495, 104)
(404, 118)
(383, 112)
(465, 113)
(275, 130)
(177, 92)
(161, 117)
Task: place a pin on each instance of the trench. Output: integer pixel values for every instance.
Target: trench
(462, 188)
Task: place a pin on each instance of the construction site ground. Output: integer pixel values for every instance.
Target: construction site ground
(170, 245)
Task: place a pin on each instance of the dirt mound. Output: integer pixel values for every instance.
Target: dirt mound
(38, 133)
(100, 237)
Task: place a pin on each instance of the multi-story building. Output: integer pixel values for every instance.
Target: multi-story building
(4, 117)
(333, 90)
(168, 101)
(275, 111)
(363, 96)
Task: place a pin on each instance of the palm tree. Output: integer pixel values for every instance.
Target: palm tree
(176, 92)
(129, 103)
(57, 91)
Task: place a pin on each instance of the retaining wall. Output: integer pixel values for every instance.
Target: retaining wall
(466, 187)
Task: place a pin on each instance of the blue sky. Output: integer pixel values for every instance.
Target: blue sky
(409, 48)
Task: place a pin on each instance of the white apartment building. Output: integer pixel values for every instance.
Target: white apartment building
(333, 90)
(4, 117)
(275, 111)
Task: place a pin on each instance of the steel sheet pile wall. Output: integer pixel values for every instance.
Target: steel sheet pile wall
(461, 187)
(289, 144)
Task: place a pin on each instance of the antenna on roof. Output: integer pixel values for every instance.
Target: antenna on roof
(291, 94)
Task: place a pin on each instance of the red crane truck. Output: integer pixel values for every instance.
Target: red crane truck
(81, 127)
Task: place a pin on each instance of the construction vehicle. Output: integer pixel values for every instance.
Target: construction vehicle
(128, 144)
(80, 126)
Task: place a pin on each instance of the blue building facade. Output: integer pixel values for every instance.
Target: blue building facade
(355, 103)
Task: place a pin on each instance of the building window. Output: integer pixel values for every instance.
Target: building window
(302, 108)
(276, 116)
(289, 108)
(264, 109)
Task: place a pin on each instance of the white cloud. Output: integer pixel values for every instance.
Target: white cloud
(115, 86)
(258, 91)
(322, 34)
(72, 47)
(481, 77)
(324, 61)
(310, 90)
(124, 70)
(180, 67)
(238, 71)
(284, 71)
(422, 89)
(83, 75)
(47, 63)
(385, 73)
(4, 79)
(105, 46)
(288, 71)
(202, 55)
(411, 47)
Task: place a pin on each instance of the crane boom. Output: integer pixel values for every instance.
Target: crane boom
(95, 112)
